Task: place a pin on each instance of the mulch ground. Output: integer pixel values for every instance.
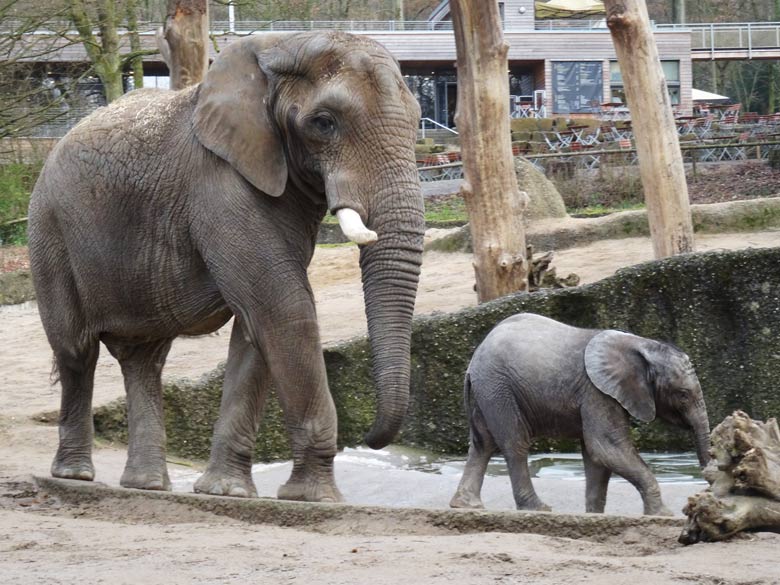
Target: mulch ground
(729, 182)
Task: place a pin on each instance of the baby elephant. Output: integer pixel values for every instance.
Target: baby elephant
(535, 377)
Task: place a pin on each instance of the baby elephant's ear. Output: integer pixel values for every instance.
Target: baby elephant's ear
(233, 118)
(615, 363)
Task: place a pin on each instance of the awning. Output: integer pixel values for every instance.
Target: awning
(698, 95)
(568, 9)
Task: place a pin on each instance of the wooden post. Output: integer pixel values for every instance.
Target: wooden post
(184, 41)
(660, 159)
(494, 203)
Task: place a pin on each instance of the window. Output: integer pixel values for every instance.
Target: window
(577, 86)
(671, 72)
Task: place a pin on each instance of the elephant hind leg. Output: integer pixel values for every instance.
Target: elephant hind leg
(142, 366)
(76, 373)
(596, 483)
(482, 446)
(513, 437)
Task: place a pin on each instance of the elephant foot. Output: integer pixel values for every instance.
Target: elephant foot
(145, 480)
(220, 485)
(660, 510)
(81, 469)
(466, 501)
(535, 507)
(310, 491)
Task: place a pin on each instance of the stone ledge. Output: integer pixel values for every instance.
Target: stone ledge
(357, 519)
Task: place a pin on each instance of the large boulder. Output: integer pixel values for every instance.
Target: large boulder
(544, 201)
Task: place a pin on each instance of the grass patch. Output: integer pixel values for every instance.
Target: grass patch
(437, 209)
(339, 245)
(599, 210)
(444, 209)
(16, 184)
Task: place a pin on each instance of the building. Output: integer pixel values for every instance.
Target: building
(556, 67)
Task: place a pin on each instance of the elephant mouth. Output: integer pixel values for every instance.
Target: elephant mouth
(354, 229)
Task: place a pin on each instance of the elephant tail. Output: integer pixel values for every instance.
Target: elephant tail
(473, 414)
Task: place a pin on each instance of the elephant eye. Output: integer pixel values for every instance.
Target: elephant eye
(683, 395)
(323, 124)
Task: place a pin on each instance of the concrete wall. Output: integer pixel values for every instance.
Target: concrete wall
(723, 308)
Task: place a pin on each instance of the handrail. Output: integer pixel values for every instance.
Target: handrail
(730, 36)
(424, 121)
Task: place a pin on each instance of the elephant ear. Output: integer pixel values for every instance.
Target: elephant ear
(233, 117)
(616, 364)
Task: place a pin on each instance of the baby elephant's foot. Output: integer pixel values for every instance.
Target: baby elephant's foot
(73, 468)
(222, 485)
(463, 500)
(145, 480)
(310, 491)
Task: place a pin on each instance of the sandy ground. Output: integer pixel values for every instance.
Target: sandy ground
(51, 546)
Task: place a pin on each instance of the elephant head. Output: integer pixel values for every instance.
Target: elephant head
(328, 116)
(649, 378)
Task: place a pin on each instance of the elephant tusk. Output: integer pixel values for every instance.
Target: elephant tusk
(354, 228)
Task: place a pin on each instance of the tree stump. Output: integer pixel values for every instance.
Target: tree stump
(744, 478)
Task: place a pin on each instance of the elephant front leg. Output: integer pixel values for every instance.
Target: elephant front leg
(620, 455)
(596, 483)
(245, 388)
(298, 366)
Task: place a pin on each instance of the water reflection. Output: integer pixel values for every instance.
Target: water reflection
(667, 467)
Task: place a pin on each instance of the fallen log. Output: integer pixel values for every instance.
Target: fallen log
(744, 478)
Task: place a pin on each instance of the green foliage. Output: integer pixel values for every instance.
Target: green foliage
(16, 183)
(448, 209)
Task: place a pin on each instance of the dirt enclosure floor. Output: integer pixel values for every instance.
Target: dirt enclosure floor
(46, 542)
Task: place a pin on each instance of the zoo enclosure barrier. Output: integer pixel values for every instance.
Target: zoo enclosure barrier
(448, 166)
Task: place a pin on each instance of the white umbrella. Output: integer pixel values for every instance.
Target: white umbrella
(698, 95)
(569, 8)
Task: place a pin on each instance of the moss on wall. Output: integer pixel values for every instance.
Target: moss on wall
(16, 287)
(722, 308)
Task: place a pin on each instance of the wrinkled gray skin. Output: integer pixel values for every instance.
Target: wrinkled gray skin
(169, 212)
(535, 377)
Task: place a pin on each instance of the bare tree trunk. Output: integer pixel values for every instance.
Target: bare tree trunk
(184, 41)
(744, 477)
(137, 62)
(678, 11)
(494, 203)
(657, 143)
(104, 53)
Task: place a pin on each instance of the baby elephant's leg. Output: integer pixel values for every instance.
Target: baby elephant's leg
(481, 449)
(596, 483)
(618, 453)
(514, 440)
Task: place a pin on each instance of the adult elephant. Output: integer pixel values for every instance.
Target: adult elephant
(167, 213)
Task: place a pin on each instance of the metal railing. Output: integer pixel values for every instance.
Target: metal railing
(735, 36)
(425, 121)
(246, 26)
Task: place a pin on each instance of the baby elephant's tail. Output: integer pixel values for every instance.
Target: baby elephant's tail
(473, 414)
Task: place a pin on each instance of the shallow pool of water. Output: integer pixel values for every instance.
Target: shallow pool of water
(667, 467)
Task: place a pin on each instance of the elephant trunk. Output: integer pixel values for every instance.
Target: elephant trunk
(390, 269)
(701, 433)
